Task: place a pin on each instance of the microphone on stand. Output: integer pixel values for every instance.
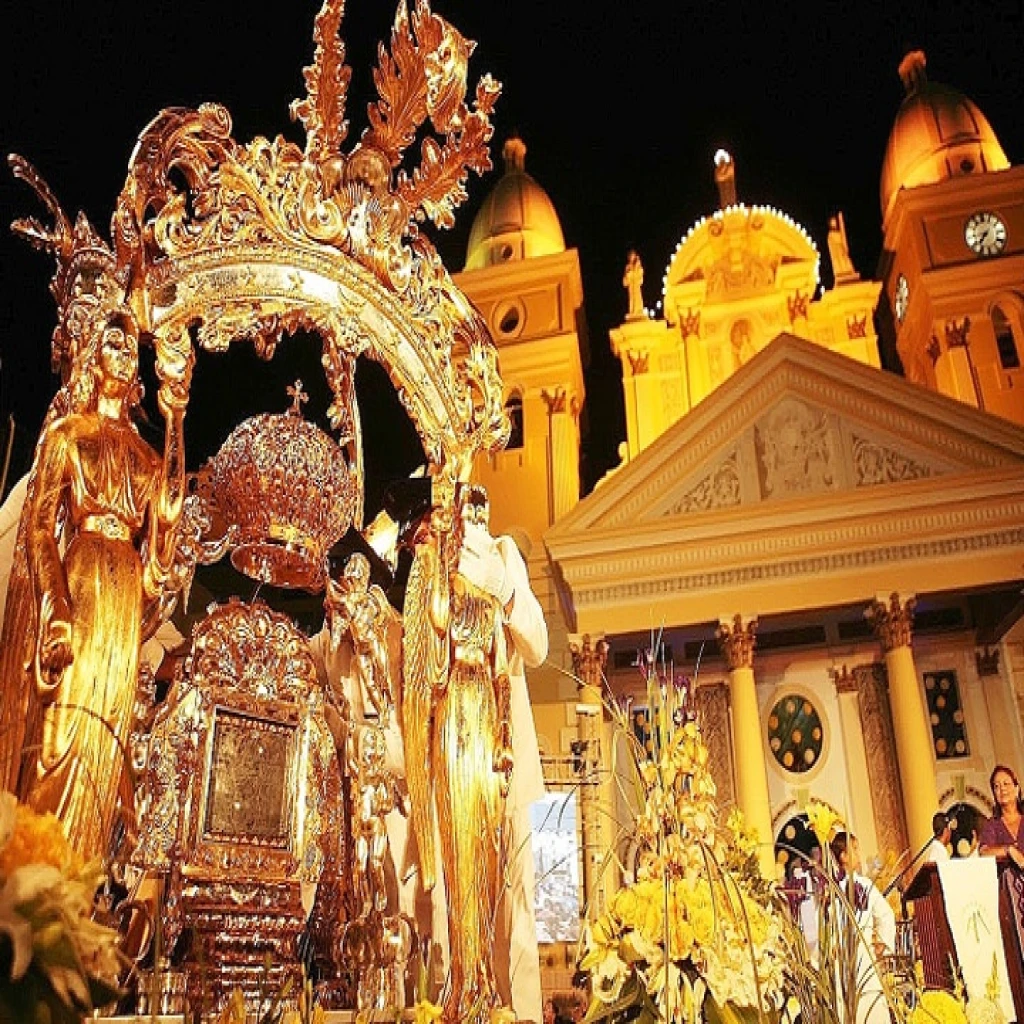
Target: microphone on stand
(951, 824)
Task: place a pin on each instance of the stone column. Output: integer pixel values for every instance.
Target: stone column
(893, 621)
(955, 372)
(563, 451)
(737, 640)
(1001, 712)
(850, 723)
(695, 372)
(646, 403)
(593, 749)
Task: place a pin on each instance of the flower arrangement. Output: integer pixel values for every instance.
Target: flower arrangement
(937, 1006)
(842, 979)
(697, 934)
(56, 962)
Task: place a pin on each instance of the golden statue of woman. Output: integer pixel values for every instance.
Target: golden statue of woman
(457, 744)
(96, 540)
(99, 531)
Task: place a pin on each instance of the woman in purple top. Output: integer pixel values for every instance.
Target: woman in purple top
(1003, 834)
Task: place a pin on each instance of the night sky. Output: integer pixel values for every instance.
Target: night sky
(621, 109)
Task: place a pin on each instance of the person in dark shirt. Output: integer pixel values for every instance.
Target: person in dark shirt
(1003, 834)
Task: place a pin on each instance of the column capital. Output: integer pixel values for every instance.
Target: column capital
(737, 639)
(893, 619)
(689, 322)
(987, 661)
(844, 680)
(589, 657)
(555, 399)
(639, 361)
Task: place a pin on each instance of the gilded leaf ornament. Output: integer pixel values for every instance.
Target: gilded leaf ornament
(322, 112)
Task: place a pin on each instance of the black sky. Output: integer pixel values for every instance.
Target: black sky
(621, 108)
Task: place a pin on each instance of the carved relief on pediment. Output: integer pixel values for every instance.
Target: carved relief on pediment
(875, 464)
(796, 451)
(718, 489)
(750, 273)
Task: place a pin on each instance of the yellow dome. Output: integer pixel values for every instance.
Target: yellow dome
(939, 133)
(517, 220)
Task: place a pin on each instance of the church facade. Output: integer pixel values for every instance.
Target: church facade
(834, 549)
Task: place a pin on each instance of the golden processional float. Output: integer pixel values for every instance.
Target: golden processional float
(258, 816)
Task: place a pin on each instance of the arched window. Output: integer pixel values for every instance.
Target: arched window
(1009, 357)
(514, 411)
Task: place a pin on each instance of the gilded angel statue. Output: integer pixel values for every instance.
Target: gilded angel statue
(458, 744)
(99, 529)
(360, 609)
(98, 477)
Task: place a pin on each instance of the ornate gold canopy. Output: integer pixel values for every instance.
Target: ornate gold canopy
(229, 241)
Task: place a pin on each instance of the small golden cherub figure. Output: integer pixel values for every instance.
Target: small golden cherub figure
(375, 793)
(360, 609)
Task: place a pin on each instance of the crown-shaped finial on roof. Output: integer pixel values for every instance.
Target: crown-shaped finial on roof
(514, 154)
(725, 179)
(912, 73)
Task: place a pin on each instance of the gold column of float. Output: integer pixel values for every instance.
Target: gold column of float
(862, 812)
(893, 625)
(737, 640)
(589, 657)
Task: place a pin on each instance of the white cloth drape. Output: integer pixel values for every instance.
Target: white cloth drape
(970, 890)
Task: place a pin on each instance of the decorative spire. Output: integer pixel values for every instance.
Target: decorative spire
(912, 73)
(725, 179)
(514, 154)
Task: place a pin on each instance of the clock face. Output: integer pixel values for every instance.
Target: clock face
(985, 233)
(902, 297)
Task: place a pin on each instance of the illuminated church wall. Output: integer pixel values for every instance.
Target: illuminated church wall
(740, 349)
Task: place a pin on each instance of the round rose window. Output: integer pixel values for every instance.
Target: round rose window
(795, 733)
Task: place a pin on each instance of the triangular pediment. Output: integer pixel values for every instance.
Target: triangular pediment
(805, 477)
(798, 422)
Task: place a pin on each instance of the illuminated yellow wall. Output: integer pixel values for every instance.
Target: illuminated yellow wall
(737, 280)
(948, 283)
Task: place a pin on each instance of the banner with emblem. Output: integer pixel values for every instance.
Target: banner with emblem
(970, 890)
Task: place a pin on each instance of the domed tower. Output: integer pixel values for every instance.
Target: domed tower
(528, 288)
(517, 220)
(953, 251)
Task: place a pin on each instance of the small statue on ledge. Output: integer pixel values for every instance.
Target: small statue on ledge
(632, 281)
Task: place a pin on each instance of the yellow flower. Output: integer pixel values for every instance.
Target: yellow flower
(680, 937)
(823, 820)
(625, 905)
(608, 978)
(499, 1015)
(703, 921)
(938, 1007)
(985, 1011)
(37, 839)
(600, 940)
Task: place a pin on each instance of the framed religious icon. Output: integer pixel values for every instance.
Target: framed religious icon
(246, 799)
